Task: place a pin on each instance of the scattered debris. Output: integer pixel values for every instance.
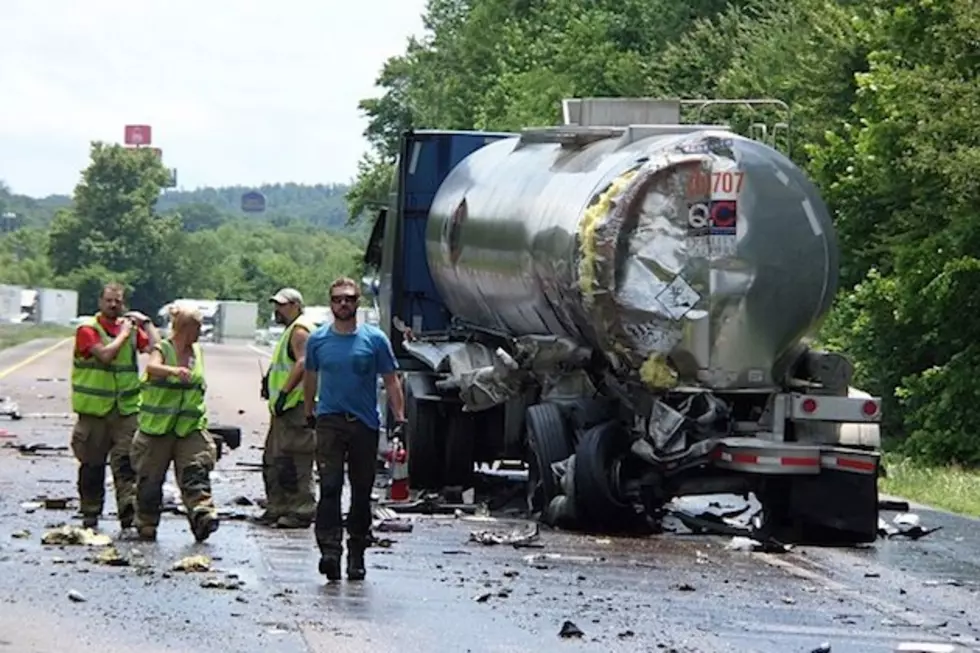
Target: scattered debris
(518, 537)
(558, 557)
(60, 503)
(32, 449)
(111, 557)
(193, 563)
(10, 408)
(823, 648)
(75, 536)
(905, 525)
(483, 598)
(219, 584)
(569, 629)
(769, 545)
(21, 534)
(396, 525)
(76, 596)
(242, 501)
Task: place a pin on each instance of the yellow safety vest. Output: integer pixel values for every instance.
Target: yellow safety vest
(282, 365)
(171, 406)
(96, 388)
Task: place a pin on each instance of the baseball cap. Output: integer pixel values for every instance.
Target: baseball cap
(287, 296)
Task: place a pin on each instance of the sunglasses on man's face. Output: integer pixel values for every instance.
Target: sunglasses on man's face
(344, 299)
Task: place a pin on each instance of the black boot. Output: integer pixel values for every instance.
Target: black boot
(330, 566)
(355, 563)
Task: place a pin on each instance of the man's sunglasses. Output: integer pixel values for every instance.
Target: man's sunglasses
(344, 299)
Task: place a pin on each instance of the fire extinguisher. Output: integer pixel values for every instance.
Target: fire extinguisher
(397, 457)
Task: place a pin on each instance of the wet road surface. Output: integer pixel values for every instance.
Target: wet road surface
(431, 589)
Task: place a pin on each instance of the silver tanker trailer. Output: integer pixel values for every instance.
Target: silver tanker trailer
(623, 301)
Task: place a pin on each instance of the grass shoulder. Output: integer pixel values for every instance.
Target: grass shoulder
(951, 488)
(12, 335)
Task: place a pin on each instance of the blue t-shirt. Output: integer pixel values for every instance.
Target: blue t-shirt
(348, 365)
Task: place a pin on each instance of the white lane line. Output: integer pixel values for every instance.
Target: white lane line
(263, 352)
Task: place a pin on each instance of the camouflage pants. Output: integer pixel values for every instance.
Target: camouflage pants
(94, 441)
(287, 467)
(343, 439)
(193, 458)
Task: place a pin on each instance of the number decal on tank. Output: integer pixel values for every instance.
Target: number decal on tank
(725, 182)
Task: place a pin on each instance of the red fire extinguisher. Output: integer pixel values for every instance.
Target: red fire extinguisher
(397, 457)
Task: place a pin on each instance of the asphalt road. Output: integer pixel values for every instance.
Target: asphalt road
(431, 589)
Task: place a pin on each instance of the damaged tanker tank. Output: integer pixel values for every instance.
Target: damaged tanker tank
(624, 301)
(706, 247)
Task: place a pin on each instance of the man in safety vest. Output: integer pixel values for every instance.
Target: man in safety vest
(105, 396)
(290, 446)
(173, 426)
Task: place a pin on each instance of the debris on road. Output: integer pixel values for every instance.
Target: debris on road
(111, 557)
(76, 596)
(193, 563)
(231, 582)
(74, 536)
(34, 449)
(10, 408)
(394, 526)
(518, 538)
(569, 629)
(906, 525)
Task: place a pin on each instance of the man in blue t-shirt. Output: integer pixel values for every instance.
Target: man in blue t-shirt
(343, 361)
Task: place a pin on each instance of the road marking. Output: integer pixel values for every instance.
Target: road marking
(910, 616)
(33, 357)
(267, 354)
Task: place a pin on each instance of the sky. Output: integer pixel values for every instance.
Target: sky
(236, 91)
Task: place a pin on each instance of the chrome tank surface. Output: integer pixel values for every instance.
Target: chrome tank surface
(705, 249)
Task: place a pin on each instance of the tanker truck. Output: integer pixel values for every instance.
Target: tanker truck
(626, 303)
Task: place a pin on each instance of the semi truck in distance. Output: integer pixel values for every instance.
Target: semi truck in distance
(625, 302)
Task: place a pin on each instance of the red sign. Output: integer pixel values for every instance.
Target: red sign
(139, 135)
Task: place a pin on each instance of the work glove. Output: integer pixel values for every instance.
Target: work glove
(311, 421)
(264, 392)
(280, 408)
(397, 431)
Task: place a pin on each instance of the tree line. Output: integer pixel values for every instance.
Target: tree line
(883, 96)
(121, 225)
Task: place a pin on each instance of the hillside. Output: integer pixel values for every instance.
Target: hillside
(321, 205)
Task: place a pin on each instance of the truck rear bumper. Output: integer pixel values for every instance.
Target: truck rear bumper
(756, 456)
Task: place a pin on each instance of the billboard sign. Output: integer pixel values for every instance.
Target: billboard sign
(138, 135)
(253, 202)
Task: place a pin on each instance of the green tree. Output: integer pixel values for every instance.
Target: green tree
(113, 228)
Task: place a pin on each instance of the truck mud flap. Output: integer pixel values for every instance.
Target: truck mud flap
(835, 508)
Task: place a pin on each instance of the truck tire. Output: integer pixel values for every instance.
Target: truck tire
(597, 499)
(460, 446)
(547, 440)
(424, 442)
